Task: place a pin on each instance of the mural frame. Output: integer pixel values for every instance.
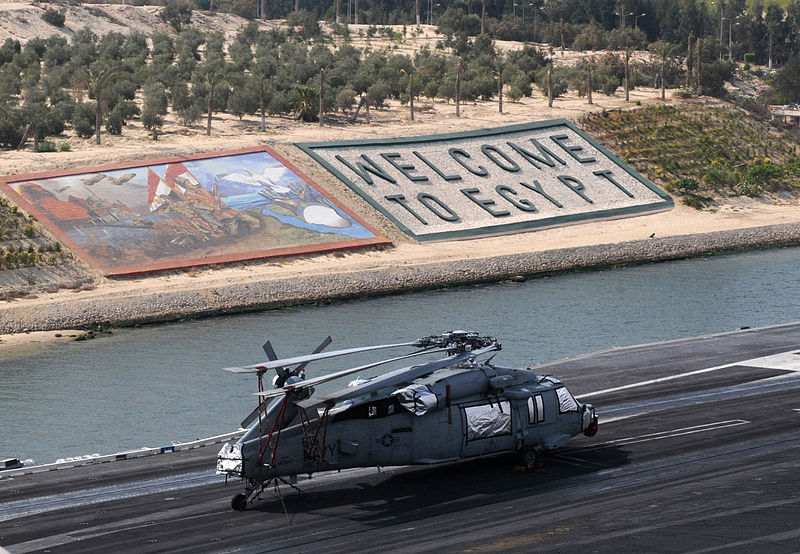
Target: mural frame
(8, 182)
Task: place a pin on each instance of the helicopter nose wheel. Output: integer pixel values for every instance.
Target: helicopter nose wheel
(529, 458)
(239, 502)
(591, 430)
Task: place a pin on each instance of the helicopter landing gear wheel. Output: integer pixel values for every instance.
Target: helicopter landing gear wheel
(529, 458)
(239, 502)
(591, 430)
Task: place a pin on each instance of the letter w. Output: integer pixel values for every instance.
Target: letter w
(363, 170)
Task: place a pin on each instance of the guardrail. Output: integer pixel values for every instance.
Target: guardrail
(125, 455)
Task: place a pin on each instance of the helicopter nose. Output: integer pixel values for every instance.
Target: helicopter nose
(590, 422)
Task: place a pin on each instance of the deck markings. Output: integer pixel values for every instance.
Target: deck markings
(787, 361)
(714, 426)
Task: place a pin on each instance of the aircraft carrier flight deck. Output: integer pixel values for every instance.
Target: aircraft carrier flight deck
(698, 450)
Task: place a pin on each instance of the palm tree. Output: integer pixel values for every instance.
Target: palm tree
(774, 18)
(461, 66)
(303, 102)
(99, 79)
(411, 75)
(664, 51)
(589, 84)
(321, 94)
(628, 54)
(500, 82)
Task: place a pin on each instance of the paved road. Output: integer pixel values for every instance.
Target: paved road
(698, 451)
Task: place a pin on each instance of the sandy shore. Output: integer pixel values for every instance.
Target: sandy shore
(32, 338)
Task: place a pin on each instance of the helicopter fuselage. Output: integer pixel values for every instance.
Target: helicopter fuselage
(466, 412)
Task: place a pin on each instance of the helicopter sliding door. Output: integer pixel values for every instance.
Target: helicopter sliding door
(487, 428)
(390, 436)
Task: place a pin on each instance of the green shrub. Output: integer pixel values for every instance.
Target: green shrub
(693, 202)
(560, 85)
(46, 146)
(120, 115)
(83, 118)
(717, 178)
(763, 171)
(750, 57)
(714, 76)
(792, 167)
(749, 188)
(684, 185)
(63, 146)
(608, 84)
(455, 20)
(591, 37)
(54, 17)
(345, 99)
(306, 25)
(177, 15)
(627, 37)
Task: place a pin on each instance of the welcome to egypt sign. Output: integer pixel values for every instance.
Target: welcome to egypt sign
(497, 180)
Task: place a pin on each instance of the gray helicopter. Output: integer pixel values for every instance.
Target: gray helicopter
(452, 408)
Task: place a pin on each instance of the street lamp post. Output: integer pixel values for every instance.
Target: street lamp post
(515, 11)
(636, 19)
(431, 7)
(549, 17)
(730, 39)
(622, 16)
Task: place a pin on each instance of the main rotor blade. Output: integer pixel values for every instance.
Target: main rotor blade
(393, 378)
(343, 373)
(323, 345)
(250, 418)
(272, 364)
(269, 351)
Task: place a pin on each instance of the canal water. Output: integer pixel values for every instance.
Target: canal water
(155, 385)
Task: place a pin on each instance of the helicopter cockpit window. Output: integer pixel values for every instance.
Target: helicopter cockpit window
(566, 402)
(373, 410)
(535, 409)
